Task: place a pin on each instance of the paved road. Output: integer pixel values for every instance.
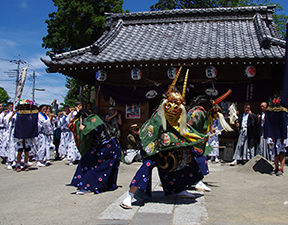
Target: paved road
(239, 196)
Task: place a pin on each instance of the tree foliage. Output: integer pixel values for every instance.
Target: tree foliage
(73, 93)
(4, 97)
(184, 4)
(279, 19)
(76, 24)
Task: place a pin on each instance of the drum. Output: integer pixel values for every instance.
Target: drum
(173, 160)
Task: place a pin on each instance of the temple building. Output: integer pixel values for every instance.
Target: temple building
(139, 54)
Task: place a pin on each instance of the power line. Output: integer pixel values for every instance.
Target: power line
(18, 62)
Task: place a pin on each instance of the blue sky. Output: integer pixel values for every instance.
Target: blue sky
(22, 28)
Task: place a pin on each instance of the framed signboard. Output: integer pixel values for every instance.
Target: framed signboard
(133, 111)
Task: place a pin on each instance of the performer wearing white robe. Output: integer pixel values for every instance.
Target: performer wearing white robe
(9, 121)
(3, 152)
(5, 132)
(67, 146)
(43, 148)
(214, 140)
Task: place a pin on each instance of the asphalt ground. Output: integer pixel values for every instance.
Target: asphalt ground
(239, 196)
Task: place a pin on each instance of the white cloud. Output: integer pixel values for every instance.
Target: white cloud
(8, 42)
(23, 4)
(36, 63)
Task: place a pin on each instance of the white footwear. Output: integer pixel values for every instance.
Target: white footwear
(200, 186)
(29, 163)
(9, 167)
(234, 163)
(13, 164)
(48, 162)
(127, 202)
(70, 164)
(185, 194)
(64, 159)
(83, 192)
(217, 161)
(40, 164)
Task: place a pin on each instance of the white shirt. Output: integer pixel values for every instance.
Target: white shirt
(244, 120)
(262, 119)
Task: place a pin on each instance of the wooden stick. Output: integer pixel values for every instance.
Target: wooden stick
(216, 133)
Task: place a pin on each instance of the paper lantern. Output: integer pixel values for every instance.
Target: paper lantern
(136, 74)
(172, 72)
(211, 72)
(101, 75)
(250, 71)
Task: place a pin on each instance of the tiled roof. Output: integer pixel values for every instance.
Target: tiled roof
(187, 34)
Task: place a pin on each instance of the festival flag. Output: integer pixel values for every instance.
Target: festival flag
(284, 97)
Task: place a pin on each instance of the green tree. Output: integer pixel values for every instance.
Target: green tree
(77, 24)
(4, 97)
(279, 19)
(184, 4)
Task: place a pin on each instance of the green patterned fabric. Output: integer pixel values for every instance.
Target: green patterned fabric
(85, 136)
(200, 119)
(154, 139)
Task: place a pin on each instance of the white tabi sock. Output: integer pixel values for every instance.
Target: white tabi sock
(128, 199)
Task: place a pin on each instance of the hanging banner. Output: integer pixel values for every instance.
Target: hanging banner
(250, 71)
(172, 72)
(101, 75)
(211, 72)
(136, 74)
(21, 83)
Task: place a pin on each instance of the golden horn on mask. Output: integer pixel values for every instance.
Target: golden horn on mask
(185, 84)
(174, 82)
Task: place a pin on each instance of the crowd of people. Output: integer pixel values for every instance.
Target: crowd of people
(270, 144)
(55, 131)
(54, 134)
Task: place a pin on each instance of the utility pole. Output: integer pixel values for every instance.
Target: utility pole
(18, 62)
(33, 89)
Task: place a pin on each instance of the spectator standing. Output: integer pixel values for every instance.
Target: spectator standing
(50, 136)
(57, 134)
(245, 149)
(133, 145)
(3, 153)
(9, 121)
(5, 132)
(44, 124)
(262, 147)
(89, 107)
(214, 141)
(114, 119)
(54, 105)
